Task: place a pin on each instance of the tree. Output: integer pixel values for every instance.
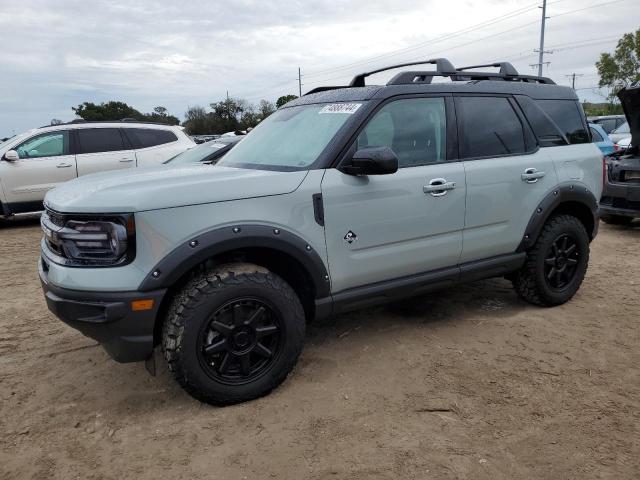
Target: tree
(284, 99)
(623, 67)
(106, 111)
(197, 121)
(265, 108)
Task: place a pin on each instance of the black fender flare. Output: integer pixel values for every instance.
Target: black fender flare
(566, 192)
(226, 239)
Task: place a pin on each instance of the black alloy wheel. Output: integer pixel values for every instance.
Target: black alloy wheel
(561, 261)
(241, 341)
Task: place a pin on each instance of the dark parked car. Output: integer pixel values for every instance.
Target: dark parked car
(620, 202)
(206, 153)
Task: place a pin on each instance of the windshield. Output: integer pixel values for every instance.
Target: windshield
(290, 139)
(624, 128)
(200, 153)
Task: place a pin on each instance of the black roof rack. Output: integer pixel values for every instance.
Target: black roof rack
(444, 68)
(505, 68)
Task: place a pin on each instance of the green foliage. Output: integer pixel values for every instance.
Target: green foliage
(596, 109)
(619, 69)
(119, 110)
(226, 116)
(284, 99)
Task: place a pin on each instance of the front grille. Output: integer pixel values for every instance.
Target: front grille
(55, 218)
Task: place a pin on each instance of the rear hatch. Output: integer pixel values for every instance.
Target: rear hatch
(626, 168)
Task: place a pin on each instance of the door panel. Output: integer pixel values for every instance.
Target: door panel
(102, 162)
(44, 163)
(397, 228)
(500, 203)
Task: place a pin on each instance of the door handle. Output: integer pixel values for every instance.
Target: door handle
(438, 187)
(532, 175)
(63, 165)
(126, 160)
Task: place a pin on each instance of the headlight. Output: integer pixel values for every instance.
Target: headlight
(83, 240)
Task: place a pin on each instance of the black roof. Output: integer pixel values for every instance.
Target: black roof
(463, 80)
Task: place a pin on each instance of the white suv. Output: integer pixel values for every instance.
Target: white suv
(38, 160)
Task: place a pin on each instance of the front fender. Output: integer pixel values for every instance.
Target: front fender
(222, 240)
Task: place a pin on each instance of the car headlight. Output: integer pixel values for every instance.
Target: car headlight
(89, 240)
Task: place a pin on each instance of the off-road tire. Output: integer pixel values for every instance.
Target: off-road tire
(192, 308)
(530, 282)
(616, 219)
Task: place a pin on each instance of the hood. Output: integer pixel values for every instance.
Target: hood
(156, 188)
(630, 99)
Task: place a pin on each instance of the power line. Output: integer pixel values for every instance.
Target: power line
(513, 14)
(432, 41)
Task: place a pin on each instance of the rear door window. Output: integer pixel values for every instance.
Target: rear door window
(488, 127)
(98, 140)
(567, 116)
(149, 137)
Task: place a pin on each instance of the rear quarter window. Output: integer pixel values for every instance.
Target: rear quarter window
(149, 137)
(566, 114)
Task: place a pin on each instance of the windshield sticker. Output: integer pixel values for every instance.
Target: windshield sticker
(349, 108)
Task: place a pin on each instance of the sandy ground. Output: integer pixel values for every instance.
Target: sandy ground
(470, 383)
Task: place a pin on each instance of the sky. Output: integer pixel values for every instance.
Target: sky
(176, 54)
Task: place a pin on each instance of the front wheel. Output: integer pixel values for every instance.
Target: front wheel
(557, 263)
(233, 333)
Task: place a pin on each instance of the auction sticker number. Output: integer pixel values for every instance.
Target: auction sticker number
(349, 108)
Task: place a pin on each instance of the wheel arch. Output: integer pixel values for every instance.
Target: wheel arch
(282, 252)
(569, 198)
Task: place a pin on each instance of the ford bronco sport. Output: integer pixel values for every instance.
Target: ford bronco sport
(347, 197)
(620, 202)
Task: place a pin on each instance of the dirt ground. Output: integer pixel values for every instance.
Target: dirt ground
(469, 383)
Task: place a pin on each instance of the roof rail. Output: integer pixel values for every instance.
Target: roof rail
(505, 68)
(124, 120)
(443, 67)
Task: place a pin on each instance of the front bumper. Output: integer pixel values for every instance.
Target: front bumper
(107, 317)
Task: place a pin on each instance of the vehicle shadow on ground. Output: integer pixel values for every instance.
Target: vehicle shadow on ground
(20, 222)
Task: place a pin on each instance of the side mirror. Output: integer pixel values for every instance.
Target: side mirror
(371, 161)
(11, 156)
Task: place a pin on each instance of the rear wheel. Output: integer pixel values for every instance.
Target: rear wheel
(616, 219)
(557, 263)
(233, 333)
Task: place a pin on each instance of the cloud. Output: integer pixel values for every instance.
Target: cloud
(148, 53)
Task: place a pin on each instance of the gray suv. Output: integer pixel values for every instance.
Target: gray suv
(347, 197)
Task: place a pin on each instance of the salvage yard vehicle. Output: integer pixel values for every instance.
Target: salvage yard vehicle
(620, 202)
(608, 122)
(36, 161)
(601, 140)
(207, 153)
(347, 197)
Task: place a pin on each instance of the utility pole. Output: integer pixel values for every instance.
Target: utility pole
(541, 50)
(573, 79)
(299, 83)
